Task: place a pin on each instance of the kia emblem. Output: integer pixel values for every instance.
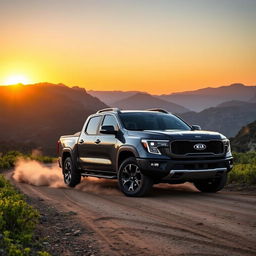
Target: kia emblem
(199, 146)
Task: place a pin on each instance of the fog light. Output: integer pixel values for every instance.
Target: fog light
(154, 164)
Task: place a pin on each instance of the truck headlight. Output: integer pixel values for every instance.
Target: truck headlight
(227, 146)
(152, 146)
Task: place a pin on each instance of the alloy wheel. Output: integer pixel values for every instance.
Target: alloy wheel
(131, 178)
(67, 172)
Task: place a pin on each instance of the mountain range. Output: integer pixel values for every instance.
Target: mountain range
(34, 116)
(197, 100)
(147, 101)
(226, 118)
(211, 97)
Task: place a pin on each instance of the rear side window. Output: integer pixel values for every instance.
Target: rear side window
(93, 125)
(110, 120)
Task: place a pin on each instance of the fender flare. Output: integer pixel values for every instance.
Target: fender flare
(71, 152)
(128, 148)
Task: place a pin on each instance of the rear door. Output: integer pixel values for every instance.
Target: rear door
(88, 153)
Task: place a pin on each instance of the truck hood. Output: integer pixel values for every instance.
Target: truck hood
(178, 135)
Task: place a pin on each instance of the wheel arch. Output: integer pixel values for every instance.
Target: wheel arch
(67, 152)
(124, 153)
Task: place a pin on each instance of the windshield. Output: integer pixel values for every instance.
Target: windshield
(152, 121)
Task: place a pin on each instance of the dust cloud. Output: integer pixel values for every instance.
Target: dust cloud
(35, 173)
(99, 186)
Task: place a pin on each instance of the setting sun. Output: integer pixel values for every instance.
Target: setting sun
(16, 79)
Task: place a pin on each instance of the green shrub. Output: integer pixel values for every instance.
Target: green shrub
(243, 174)
(244, 170)
(245, 158)
(8, 160)
(17, 222)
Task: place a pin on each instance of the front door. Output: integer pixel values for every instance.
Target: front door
(108, 145)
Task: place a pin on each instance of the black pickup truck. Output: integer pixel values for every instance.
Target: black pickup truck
(142, 148)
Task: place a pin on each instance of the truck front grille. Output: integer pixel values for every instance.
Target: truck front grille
(188, 148)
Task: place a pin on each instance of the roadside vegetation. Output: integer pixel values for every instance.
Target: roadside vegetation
(17, 223)
(244, 171)
(8, 160)
(17, 218)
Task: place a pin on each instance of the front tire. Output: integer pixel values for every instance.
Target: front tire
(213, 185)
(71, 176)
(131, 180)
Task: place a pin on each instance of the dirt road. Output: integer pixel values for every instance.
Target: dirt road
(173, 220)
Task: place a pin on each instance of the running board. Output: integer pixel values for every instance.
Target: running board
(99, 176)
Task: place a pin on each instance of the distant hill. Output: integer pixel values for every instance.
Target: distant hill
(245, 140)
(210, 97)
(196, 100)
(253, 99)
(36, 115)
(227, 119)
(147, 101)
(232, 103)
(109, 97)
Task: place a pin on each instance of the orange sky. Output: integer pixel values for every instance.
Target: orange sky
(155, 46)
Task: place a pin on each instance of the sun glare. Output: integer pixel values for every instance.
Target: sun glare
(16, 79)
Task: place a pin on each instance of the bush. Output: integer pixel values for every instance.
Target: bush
(244, 170)
(243, 174)
(8, 160)
(17, 222)
(245, 158)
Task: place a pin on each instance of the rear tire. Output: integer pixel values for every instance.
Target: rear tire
(213, 185)
(71, 176)
(132, 182)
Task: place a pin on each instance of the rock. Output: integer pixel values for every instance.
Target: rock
(77, 232)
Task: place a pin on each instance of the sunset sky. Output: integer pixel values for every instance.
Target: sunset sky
(156, 46)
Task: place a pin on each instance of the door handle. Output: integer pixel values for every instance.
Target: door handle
(81, 141)
(97, 141)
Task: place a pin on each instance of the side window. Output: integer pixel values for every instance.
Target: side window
(93, 124)
(110, 120)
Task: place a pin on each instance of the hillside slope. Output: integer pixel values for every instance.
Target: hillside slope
(36, 115)
(147, 101)
(227, 120)
(245, 140)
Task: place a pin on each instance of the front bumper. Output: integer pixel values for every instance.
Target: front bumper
(184, 169)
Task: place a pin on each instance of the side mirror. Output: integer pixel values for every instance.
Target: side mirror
(108, 129)
(195, 127)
